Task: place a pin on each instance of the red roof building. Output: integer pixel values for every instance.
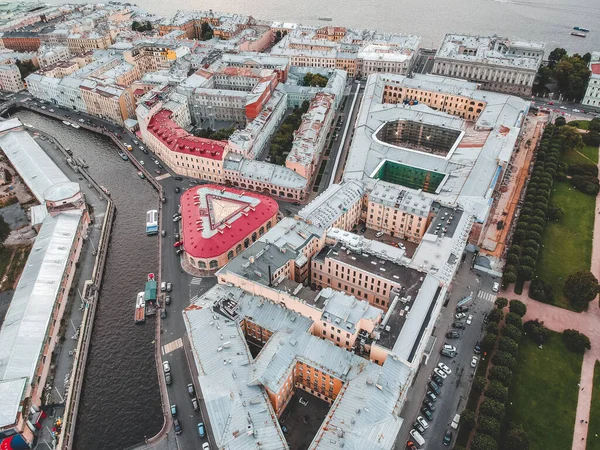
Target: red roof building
(220, 222)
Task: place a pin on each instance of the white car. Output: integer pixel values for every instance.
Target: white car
(142, 162)
(495, 287)
(576, 110)
(445, 368)
(460, 316)
(205, 446)
(422, 422)
(563, 107)
(450, 348)
(469, 319)
(166, 366)
(440, 373)
(474, 361)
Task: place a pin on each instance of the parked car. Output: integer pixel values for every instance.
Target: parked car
(163, 286)
(410, 445)
(176, 218)
(453, 334)
(174, 410)
(459, 325)
(431, 396)
(462, 308)
(177, 244)
(447, 438)
(205, 446)
(448, 353)
(201, 430)
(177, 190)
(495, 287)
(470, 319)
(195, 404)
(163, 313)
(166, 367)
(438, 380)
(427, 413)
(191, 390)
(178, 178)
(477, 348)
(445, 368)
(157, 172)
(169, 286)
(177, 426)
(379, 234)
(440, 373)
(449, 347)
(455, 421)
(474, 361)
(168, 300)
(423, 422)
(435, 387)
(168, 378)
(459, 316)
(417, 426)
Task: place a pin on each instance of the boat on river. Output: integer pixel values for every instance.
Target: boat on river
(575, 33)
(584, 30)
(140, 308)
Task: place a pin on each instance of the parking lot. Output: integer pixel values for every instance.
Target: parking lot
(299, 422)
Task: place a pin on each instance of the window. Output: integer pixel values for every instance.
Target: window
(202, 264)
(230, 255)
(214, 264)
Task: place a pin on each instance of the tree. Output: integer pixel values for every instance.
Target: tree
(492, 327)
(4, 231)
(572, 75)
(495, 315)
(501, 374)
(468, 419)
(484, 442)
(575, 341)
(571, 138)
(560, 121)
(26, 68)
(508, 278)
(516, 439)
(555, 213)
(489, 425)
(514, 319)
(536, 331)
(315, 79)
(591, 138)
(517, 307)
(480, 383)
(555, 56)
(594, 124)
(496, 391)
(501, 302)
(504, 359)
(525, 272)
(493, 408)
(278, 37)
(512, 332)
(206, 31)
(506, 344)
(488, 342)
(581, 288)
(135, 25)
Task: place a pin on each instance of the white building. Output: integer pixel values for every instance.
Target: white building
(592, 94)
(49, 55)
(10, 78)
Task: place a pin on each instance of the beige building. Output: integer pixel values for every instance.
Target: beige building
(108, 102)
(93, 40)
(10, 78)
(59, 70)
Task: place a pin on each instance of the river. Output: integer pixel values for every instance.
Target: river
(549, 21)
(120, 402)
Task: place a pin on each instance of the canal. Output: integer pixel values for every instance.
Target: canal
(120, 402)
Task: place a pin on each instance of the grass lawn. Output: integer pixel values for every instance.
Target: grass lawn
(586, 155)
(593, 442)
(567, 245)
(581, 124)
(543, 396)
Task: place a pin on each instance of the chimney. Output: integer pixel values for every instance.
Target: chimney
(270, 282)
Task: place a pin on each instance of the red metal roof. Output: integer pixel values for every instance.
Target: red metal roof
(179, 140)
(211, 220)
(596, 69)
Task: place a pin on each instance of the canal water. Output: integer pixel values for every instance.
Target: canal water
(120, 402)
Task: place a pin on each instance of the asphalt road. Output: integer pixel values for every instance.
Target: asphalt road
(456, 387)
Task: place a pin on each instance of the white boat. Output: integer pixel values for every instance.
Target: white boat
(152, 222)
(140, 308)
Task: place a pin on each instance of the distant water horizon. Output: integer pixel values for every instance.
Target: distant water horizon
(548, 21)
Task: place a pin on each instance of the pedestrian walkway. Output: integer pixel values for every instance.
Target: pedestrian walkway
(196, 280)
(486, 296)
(172, 346)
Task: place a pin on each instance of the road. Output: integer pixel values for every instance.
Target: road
(456, 387)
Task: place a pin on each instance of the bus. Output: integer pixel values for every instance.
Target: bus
(152, 222)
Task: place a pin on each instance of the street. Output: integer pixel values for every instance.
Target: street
(455, 390)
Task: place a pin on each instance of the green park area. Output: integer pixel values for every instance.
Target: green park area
(544, 392)
(593, 440)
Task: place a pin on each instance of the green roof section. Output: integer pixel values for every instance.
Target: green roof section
(409, 176)
(150, 292)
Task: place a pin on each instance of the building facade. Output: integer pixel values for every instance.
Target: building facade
(592, 93)
(10, 78)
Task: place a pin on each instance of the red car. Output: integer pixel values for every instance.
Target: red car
(178, 244)
(551, 103)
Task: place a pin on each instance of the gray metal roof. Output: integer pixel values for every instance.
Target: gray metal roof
(11, 393)
(29, 315)
(36, 169)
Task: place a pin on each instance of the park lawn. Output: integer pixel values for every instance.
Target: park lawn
(593, 439)
(581, 124)
(544, 392)
(585, 155)
(567, 245)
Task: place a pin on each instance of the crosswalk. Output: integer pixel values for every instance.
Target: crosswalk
(172, 346)
(196, 280)
(486, 296)
(194, 298)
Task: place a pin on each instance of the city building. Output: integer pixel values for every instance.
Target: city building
(297, 93)
(22, 41)
(592, 93)
(218, 223)
(311, 136)
(30, 330)
(10, 78)
(109, 102)
(92, 40)
(252, 60)
(50, 55)
(496, 63)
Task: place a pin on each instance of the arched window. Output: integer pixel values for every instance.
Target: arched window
(238, 249)
(246, 243)
(254, 237)
(268, 225)
(230, 255)
(261, 231)
(214, 264)
(202, 264)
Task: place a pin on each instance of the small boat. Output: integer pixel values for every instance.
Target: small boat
(141, 175)
(74, 125)
(106, 191)
(585, 30)
(66, 122)
(124, 156)
(81, 162)
(140, 308)
(326, 19)
(574, 33)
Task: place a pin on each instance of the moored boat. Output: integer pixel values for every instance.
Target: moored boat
(106, 191)
(574, 33)
(140, 308)
(585, 30)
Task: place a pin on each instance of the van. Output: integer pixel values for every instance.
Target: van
(435, 388)
(455, 421)
(417, 437)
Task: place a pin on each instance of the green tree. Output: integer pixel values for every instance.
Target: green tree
(555, 56)
(570, 138)
(514, 319)
(560, 121)
(526, 272)
(480, 383)
(495, 315)
(501, 302)
(594, 124)
(468, 420)
(517, 307)
(488, 342)
(493, 408)
(26, 68)
(508, 278)
(484, 442)
(536, 331)
(555, 213)
(516, 439)
(278, 37)
(135, 25)
(504, 359)
(572, 75)
(489, 425)
(512, 332)
(581, 288)
(506, 344)
(575, 341)
(501, 374)
(591, 138)
(206, 31)
(4, 231)
(496, 391)
(492, 327)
